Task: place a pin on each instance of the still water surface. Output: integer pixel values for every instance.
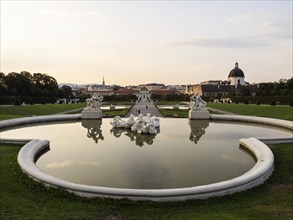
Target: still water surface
(182, 154)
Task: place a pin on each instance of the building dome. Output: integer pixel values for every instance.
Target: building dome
(236, 72)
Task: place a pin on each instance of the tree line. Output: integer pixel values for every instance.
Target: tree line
(281, 88)
(16, 88)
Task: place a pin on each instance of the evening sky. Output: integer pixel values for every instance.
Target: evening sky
(133, 42)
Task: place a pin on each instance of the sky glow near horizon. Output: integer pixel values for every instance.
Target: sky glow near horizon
(128, 42)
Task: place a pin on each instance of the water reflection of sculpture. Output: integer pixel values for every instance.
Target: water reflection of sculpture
(95, 134)
(94, 130)
(139, 139)
(197, 129)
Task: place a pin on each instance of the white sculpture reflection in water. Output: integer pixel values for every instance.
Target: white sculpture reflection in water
(95, 134)
(94, 130)
(197, 129)
(141, 124)
(139, 139)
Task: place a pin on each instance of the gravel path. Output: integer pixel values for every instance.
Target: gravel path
(144, 106)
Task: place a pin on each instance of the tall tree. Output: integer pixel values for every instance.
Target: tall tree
(65, 92)
(45, 85)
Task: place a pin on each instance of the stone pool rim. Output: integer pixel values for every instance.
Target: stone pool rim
(260, 172)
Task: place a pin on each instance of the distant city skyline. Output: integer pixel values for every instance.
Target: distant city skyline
(137, 42)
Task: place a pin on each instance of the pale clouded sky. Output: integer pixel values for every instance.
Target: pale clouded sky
(132, 42)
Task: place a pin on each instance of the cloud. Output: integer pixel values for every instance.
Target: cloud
(65, 163)
(85, 14)
(240, 18)
(87, 162)
(220, 43)
(281, 30)
(230, 159)
(55, 13)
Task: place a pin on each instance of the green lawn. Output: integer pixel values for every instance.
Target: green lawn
(168, 102)
(116, 112)
(23, 198)
(10, 112)
(180, 113)
(281, 112)
(29, 110)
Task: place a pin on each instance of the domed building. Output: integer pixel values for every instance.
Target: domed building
(236, 76)
(218, 88)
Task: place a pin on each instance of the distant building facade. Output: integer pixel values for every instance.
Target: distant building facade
(153, 86)
(216, 88)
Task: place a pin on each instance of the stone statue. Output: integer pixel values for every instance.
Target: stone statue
(93, 111)
(117, 122)
(146, 125)
(196, 102)
(95, 101)
(198, 108)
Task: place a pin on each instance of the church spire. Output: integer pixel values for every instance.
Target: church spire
(103, 82)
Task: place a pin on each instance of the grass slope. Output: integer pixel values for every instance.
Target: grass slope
(116, 112)
(281, 112)
(28, 110)
(180, 113)
(23, 198)
(10, 112)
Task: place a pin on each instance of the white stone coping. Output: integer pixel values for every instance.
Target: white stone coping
(37, 119)
(254, 177)
(253, 119)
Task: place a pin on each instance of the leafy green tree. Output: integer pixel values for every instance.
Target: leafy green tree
(3, 86)
(289, 86)
(245, 91)
(45, 85)
(65, 92)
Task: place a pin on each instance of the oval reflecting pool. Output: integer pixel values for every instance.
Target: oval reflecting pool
(183, 154)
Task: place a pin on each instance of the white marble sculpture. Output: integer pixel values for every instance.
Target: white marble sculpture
(112, 106)
(139, 125)
(198, 108)
(93, 111)
(117, 122)
(95, 101)
(196, 102)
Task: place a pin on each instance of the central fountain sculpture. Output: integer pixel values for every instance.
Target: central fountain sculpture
(141, 124)
(93, 111)
(198, 109)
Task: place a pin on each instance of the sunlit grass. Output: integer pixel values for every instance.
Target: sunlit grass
(281, 112)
